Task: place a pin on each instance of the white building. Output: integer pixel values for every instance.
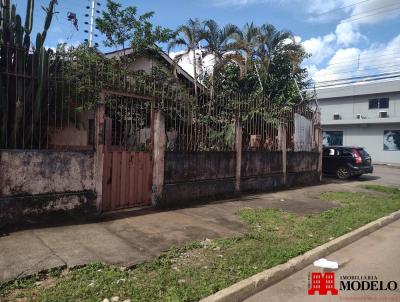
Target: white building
(364, 114)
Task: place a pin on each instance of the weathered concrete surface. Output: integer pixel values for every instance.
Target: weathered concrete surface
(302, 161)
(36, 184)
(20, 209)
(374, 255)
(145, 234)
(198, 166)
(198, 176)
(36, 172)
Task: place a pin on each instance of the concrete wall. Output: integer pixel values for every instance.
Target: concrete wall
(33, 183)
(261, 171)
(196, 176)
(193, 176)
(349, 106)
(302, 168)
(298, 162)
(371, 138)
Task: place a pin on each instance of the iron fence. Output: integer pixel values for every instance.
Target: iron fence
(52, 106)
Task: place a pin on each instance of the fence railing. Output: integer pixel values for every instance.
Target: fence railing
(53, 106)
(203, 123)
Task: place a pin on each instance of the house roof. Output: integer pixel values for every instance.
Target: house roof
(164, 56)
(361, 88)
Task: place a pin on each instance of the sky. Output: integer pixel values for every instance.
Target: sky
(345, 38)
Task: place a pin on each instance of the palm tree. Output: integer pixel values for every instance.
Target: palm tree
(246, 43)
(217, 39)
(189, 36)
(273, 43)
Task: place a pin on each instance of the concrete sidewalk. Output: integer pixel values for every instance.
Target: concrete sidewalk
(145, 234)
(374, 255)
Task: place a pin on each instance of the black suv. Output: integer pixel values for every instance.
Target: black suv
(346, 162)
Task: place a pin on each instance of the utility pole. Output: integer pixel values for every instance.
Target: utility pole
(91, 28)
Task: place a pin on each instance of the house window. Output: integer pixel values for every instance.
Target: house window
(382, 103)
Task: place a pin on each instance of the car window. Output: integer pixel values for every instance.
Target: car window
(331, 152)
(347, 153)
(362, 152)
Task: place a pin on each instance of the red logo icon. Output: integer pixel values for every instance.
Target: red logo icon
(323, 283)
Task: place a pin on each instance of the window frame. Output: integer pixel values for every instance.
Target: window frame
(378, 102)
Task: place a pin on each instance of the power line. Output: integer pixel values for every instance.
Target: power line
(349, 20)
(367, 58)
(360, 81)
(397, 73)
(374, 9)
(359, 77)
(352, 74)
(339, 8)
(370, 67)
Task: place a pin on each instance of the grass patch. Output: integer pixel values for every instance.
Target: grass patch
(200, 269)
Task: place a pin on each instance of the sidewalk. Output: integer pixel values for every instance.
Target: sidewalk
(375, 255)
(146, 234)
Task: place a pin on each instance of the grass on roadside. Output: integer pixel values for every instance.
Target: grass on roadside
(200, 269)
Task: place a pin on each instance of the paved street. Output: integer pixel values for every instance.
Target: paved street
(375, 255)
(136, 236)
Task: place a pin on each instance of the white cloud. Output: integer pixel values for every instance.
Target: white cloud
(374, 11)
(353, 62)
(320, 48)
(349, 11)
(348, 34)
(358, 12)
(297, 39)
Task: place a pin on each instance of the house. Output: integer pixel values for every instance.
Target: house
(158, 58)
(363, 114)
(82, 138)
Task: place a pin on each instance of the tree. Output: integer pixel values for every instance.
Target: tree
(246, 42)
(272, 43)
(189, 37)
(218, 39)
(123, 26)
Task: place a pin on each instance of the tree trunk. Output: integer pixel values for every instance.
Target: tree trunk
(195, 72)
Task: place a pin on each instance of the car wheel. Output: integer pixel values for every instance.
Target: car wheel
(343, 173)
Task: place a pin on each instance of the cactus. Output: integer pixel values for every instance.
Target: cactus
(16, 59)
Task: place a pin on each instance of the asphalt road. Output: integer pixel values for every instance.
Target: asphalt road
(377, 254)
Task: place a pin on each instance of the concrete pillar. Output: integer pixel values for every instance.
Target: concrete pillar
(159, 145)
(318, 141)
(320, 150)
(99, 152)
(238, 149)
(282, 145)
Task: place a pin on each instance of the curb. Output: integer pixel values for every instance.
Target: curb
(249, 287)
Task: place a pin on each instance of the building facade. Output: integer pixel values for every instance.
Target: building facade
(365, 115)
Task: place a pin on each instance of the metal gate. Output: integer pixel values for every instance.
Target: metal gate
(128, 144)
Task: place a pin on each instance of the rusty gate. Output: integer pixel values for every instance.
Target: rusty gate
(128, 144)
